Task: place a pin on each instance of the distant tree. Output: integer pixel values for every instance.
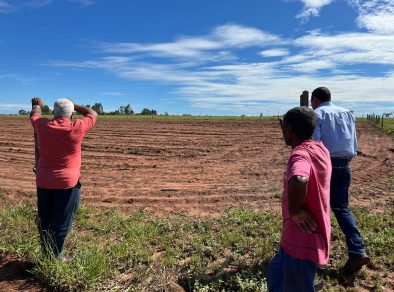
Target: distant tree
(128, 110)
(165, 114)
(22, 112)
(45, 110)
(98, 107)
(147, 111)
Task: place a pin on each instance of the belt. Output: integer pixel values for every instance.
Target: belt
(345, 158)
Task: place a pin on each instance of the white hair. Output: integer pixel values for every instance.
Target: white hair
(63, 107)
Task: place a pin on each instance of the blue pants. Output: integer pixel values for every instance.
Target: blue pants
(339, 199)
(289, 274)
(56, 212)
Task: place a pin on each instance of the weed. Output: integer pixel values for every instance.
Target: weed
(135, 252)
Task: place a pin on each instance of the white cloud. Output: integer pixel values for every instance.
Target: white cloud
(312, 8)
(37, 3)
(6, 7)
(113, 93)
(349, 48)
(83, 2)
(212, 47)
(250, 87)
(17, 77)
(12, 108)
(375, 15)
(242, 36)
(277, 52)
(382, 22)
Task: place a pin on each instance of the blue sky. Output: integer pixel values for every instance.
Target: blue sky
(208, 57)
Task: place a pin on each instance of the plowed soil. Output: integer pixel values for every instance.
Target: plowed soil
(199, 167)
(196, 167)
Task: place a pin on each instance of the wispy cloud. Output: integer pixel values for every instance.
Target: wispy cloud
(37, 3)
(278, 52)
(8, 6)
(218, 41)
(83, 2)
(240, 84)
(349, 48)
(113, 93)
(13, 107)
(375, 15)
(17, 77)
(312, 8)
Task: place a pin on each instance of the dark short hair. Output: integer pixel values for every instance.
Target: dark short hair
(302, 120)
(322, 93)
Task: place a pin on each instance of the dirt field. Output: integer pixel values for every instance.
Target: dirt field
(199, 167)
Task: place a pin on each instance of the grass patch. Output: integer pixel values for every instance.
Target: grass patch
(388, 124)
(134, 252)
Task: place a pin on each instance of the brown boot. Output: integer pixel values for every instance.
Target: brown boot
(354, 264)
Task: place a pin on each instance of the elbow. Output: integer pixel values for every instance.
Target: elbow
(93, 112)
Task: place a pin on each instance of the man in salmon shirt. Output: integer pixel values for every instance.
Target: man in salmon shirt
(306, 230)
(58, 169)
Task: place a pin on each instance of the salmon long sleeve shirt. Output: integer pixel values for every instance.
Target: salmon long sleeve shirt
(59, 144)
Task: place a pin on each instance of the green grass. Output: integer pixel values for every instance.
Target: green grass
(388, 124)
(134, 252)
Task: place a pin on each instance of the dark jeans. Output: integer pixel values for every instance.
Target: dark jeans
(339, 199)
(56, 212)
(286, 273)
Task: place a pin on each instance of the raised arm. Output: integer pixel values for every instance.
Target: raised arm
(84, 110)
(36, 105)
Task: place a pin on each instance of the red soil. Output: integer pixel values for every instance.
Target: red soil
(194, 167)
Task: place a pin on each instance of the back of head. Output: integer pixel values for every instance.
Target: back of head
(322, 93)
(302, 120)
(63, 107)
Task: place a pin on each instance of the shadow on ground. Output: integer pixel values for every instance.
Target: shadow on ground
(15, 275)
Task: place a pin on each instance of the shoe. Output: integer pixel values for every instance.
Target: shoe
(63, 259)
(354, 264)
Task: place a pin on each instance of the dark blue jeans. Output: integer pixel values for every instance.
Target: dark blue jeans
(56, 212)
(339, 199)
(289, 274)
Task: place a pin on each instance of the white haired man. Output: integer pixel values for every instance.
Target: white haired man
(58, 169)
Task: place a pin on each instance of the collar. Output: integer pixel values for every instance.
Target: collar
(326, 103)
(61, 118)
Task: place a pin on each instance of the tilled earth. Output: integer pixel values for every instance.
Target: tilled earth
(199, 167)
(196, 167)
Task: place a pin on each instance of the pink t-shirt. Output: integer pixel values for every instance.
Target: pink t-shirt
(59, 144)
(311, 159)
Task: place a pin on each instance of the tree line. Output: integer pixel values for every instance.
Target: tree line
(98, 107)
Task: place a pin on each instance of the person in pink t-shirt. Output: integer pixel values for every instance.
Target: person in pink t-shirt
(58, 169)
(306, 229)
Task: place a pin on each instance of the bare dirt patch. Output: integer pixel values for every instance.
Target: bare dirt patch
(15, 276)
(199, 167)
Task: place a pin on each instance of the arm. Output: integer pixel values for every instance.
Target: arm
(36, 105)
(84, 110)
(297, 192)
